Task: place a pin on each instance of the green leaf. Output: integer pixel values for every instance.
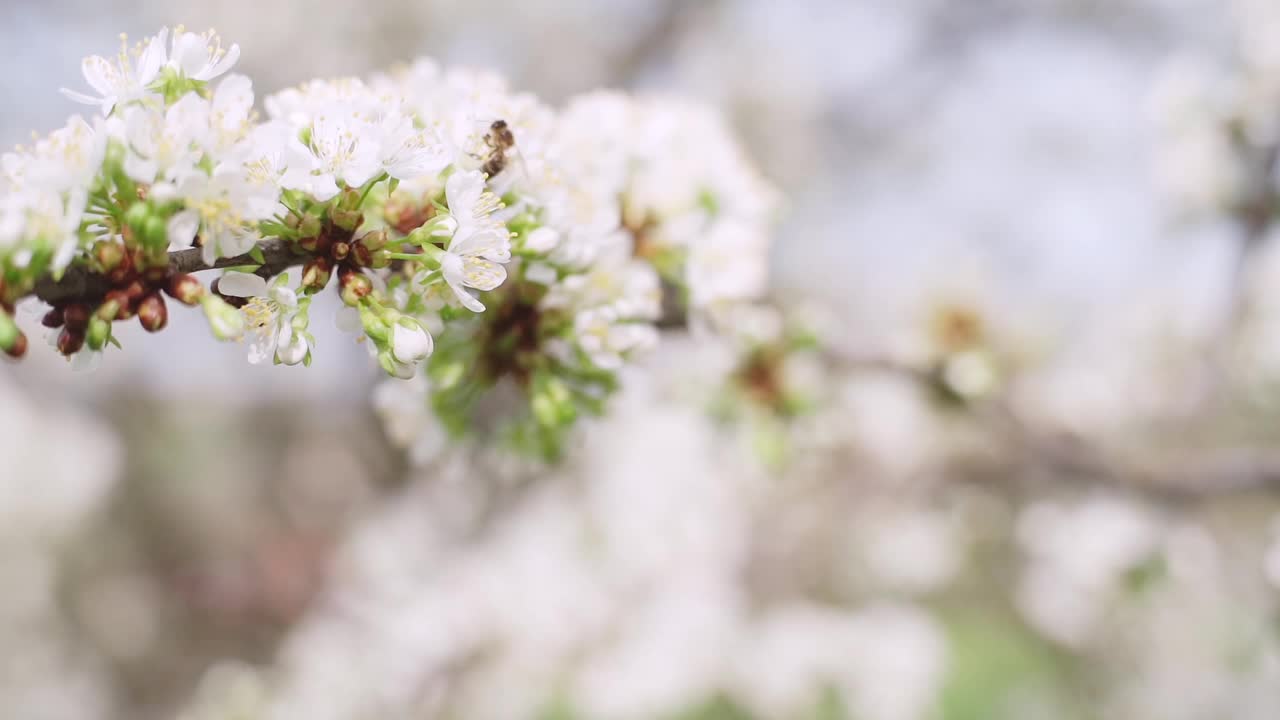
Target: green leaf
(256, 254)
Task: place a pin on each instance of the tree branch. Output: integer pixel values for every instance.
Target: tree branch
(79, 283)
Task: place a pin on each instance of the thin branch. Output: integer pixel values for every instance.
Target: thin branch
(79, 283)
(654, 41)
(1159, 472)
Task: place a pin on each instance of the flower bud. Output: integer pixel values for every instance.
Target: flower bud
(380, 259)
(316, 273)
(123, 270)
(136, 216)
(108, 254)
(118, 300)
(225, 321)
(109, 309)
(132, 296)
(347, 219)
(309, 226)
(340, 251)
(70, 341)
(349, 200)
(9, 332)
(355, 287)
(361, 255)
(53, 318)
(184, 288)
(375, 240)
(410, 342)
(545, 410)
(153, 314)
(98, 332)
(19, 346)
(76, 316)
(157, 270)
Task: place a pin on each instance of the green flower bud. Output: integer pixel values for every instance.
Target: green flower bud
(136, 217)
(349, 199)
(375, 240)
(309, 226)
(9, 332)
(98, 332)
(19, 347)
(155, 233)
(545, 410)
(348, 220)
(108, 310)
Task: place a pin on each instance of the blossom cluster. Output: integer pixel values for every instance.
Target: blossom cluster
(466, 227)
(1218, 121)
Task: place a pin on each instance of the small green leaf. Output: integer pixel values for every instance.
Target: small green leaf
(256, 254)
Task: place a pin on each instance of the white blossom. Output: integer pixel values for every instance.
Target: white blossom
(120, 82)
(267, 314)
(200, 56)
(479, 244)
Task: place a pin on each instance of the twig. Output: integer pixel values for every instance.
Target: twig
(79, 283)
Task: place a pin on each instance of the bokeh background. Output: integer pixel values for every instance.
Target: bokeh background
(183, 535)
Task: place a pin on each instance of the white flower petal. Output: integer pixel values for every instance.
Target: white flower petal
(239, 284)
(182, 229)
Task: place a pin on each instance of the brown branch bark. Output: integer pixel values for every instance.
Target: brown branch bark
(78, 283)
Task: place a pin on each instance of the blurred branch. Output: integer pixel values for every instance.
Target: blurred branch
(657, 38)
(1255, 217)
(79, 283)
(1170, 474)
(1173, 475)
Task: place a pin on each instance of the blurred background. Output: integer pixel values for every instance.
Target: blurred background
(187, 536)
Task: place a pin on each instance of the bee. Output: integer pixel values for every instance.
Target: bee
(499, 139)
